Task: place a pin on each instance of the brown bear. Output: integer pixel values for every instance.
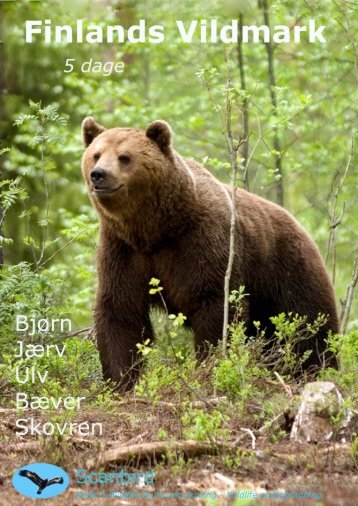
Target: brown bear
(165, 216)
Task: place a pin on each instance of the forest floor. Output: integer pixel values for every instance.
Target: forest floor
(326, 472)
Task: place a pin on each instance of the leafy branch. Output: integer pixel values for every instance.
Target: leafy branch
(233, 147)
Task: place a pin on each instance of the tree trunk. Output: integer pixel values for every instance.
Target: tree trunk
(272, 82)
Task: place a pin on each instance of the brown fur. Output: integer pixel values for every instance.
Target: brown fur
(170, 219)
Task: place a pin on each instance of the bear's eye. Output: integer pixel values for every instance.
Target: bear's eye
(124, 159)
(97, 156)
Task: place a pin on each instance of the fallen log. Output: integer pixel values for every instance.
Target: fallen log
(31, 447)
(151, 450)
(196, 404)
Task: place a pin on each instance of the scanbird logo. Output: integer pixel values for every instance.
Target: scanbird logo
(42, 484)
(40, 480)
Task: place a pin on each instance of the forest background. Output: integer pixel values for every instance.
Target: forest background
(295, 104)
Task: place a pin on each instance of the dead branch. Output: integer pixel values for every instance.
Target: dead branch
(348, 299)
(148, 402)
(44, 262)
(268, 425)
(251, 434)
(335, 219)
(245, 107)
(155, 449)
(286, 387)
(86, 331)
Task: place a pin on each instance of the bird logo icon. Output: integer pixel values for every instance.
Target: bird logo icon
(40, 480)
(42, 484)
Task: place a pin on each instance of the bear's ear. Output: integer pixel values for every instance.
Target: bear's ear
(90, 130)
(160, 132)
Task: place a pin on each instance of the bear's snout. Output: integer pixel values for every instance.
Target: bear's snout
(98, 176)
(103, 182)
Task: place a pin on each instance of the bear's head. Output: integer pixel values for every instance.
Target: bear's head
(122, 162)
(142, 189)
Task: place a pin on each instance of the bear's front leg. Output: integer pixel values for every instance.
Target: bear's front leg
(118, 330)
(122, 310)
(207, 325)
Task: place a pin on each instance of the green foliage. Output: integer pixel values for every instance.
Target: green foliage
(249, 359)
(346, 348)
(155, 284)
(169, 363)
(27, 292)
(290, 331)
(244, 377)
(10, 191)
(74, 372)
(41, 288)
(234, 374)
(207, 427)
(240, 458)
